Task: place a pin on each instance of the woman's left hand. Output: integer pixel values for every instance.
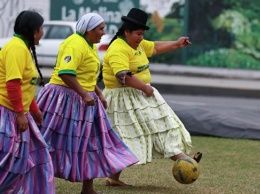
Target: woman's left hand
(103, 100)
(37, 116)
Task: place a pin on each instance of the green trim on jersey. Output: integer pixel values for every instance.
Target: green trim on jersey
(89, 43)
(67, 71)
(20, 36)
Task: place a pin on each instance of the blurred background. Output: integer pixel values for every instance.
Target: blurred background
(224, 33)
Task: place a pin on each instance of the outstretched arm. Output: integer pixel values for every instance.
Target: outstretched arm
(166, 46)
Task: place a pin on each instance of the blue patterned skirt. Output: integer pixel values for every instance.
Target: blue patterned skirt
(25, 163)
(81, 141)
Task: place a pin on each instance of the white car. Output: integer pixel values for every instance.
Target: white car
(54, 33)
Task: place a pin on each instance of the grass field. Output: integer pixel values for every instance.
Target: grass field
(228, 166)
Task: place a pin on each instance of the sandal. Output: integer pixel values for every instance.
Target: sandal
(197, 157)
(113, 182)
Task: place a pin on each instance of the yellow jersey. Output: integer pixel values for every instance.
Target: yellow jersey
(120, 56)
(16, 62)
(77, 57)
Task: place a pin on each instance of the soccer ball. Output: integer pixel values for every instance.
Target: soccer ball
(186, 170)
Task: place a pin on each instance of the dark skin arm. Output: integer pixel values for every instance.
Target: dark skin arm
(160, 47)
(21, 118)
(166, 46)
(72, 82)
(101, 97)
(22, 121)
(37, 116)
(134, 82)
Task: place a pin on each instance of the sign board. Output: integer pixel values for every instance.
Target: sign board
(110, 10)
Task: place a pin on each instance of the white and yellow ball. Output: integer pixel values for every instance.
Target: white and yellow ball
(186, 170)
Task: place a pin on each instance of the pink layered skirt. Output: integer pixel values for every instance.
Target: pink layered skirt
(81, 141)
(25, 162)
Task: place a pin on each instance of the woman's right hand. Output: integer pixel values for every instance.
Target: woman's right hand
(89, 100)
(148, 90)
(73, 83)
(22, 121)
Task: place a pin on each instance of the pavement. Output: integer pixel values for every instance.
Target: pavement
(207, 81)
(182, 79)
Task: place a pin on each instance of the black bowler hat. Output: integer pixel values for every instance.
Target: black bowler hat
(137, 17)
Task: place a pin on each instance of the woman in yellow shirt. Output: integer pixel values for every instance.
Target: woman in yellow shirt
(82, 143)
(137, 111)
(25, 162)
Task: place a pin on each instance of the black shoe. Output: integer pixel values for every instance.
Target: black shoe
(197, 157)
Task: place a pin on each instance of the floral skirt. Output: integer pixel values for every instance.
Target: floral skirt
(25, 162)
(147, 125)
(81, 141)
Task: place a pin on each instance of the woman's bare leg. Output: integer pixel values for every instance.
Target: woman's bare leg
(176, 157)
(115, 176)
(113, 180)
(87, 187)
(196, 156)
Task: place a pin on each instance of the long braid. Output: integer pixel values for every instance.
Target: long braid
(32, 46)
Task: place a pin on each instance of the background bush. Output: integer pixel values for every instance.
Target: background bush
(224, 33)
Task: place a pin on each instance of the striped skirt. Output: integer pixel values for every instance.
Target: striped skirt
(25, 162)
(147, 125)
(81, 141)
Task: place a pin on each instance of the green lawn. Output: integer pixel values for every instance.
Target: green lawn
(228, 166)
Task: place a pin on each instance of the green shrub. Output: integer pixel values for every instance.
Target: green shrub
(227, 58)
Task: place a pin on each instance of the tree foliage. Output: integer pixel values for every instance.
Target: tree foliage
(214, 27)
(232, 26)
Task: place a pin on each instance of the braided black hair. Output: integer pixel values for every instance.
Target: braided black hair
(119, 33)
(26, 23)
